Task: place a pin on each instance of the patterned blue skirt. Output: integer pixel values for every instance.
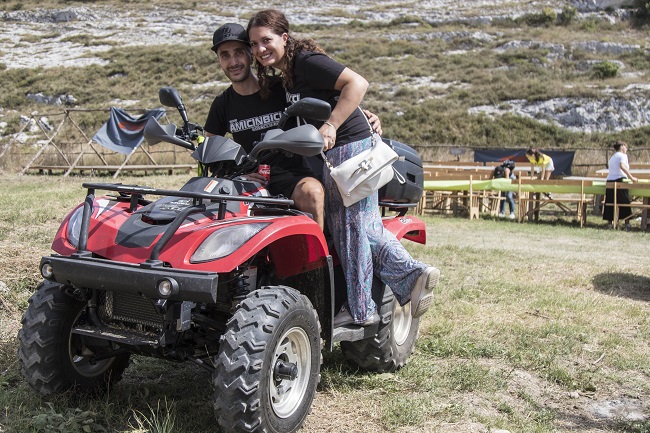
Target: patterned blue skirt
(363, 245)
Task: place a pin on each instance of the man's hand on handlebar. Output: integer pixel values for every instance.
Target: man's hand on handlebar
(255, 177)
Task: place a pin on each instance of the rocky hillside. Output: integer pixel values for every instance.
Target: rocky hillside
(78, 35)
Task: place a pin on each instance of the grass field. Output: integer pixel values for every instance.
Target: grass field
(536, 328)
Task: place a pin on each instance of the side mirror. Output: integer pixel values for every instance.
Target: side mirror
(170, 97)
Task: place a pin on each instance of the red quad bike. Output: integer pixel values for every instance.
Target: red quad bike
(217, 273)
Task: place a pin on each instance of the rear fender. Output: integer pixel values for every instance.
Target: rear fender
(407, 227)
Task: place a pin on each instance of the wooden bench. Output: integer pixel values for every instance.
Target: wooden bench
(452, 163)
(642, 165)
(530, 203)
(465, 199)
(449, 173)
(169, 168)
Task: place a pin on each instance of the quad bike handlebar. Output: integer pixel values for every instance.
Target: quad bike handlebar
(302, 140)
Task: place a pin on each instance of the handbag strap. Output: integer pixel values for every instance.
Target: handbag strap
(372, 135)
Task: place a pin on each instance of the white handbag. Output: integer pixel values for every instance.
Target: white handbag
(363, 174)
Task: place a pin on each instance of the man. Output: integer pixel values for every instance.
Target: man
(242, 111)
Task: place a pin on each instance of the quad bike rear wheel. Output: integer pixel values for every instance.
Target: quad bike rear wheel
(394, 342)
(52, 358)
(268, 364)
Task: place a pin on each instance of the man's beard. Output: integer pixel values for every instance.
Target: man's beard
(242, 77)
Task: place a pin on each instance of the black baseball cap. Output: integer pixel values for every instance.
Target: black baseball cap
(229, 32)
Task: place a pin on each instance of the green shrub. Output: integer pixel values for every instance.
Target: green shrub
(643, 9)
(589, 25)
(71, 421)
(409, 19)
(567, 16)
(544, 18)
(605, 70)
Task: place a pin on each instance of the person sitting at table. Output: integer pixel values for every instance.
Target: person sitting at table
(619, 171)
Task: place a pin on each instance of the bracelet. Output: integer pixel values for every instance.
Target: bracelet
(329, 124)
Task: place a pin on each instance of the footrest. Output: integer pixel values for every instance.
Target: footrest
(117, 335)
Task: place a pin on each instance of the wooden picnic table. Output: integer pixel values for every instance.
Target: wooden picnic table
(564, 192)
(636, 171)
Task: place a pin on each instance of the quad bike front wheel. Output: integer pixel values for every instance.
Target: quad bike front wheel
(394, 342)
(52, 358)
(268, 364)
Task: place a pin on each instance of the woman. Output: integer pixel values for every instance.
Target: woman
(540, 161)
(619, 171)
(363, 245)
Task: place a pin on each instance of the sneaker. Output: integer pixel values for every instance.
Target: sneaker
(344, 318)
(548, 195)
(502, 215)
(422, 293)
(512, 216)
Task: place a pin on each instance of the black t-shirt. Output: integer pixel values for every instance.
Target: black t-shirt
(247, 118)
(314, 76)
(499, 172)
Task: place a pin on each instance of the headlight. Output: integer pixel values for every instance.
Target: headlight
(224, 241)
(74, 227)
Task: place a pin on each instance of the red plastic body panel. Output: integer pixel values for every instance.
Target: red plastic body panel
(295, 242)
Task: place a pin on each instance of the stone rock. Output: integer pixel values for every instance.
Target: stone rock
(45, 123)
(52, 100)
(604, 47)
(596, 5)
(586, 65)
(580, 115)
(555, 51)
(50, 15)
(626, 408)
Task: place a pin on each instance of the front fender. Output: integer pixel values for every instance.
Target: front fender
(295, 242)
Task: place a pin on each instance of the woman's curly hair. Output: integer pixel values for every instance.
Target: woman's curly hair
(278, 24)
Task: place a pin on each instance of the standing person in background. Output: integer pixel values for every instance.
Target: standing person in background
(540, 163)
(619, 171)
(506, 171)
(365, 248)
